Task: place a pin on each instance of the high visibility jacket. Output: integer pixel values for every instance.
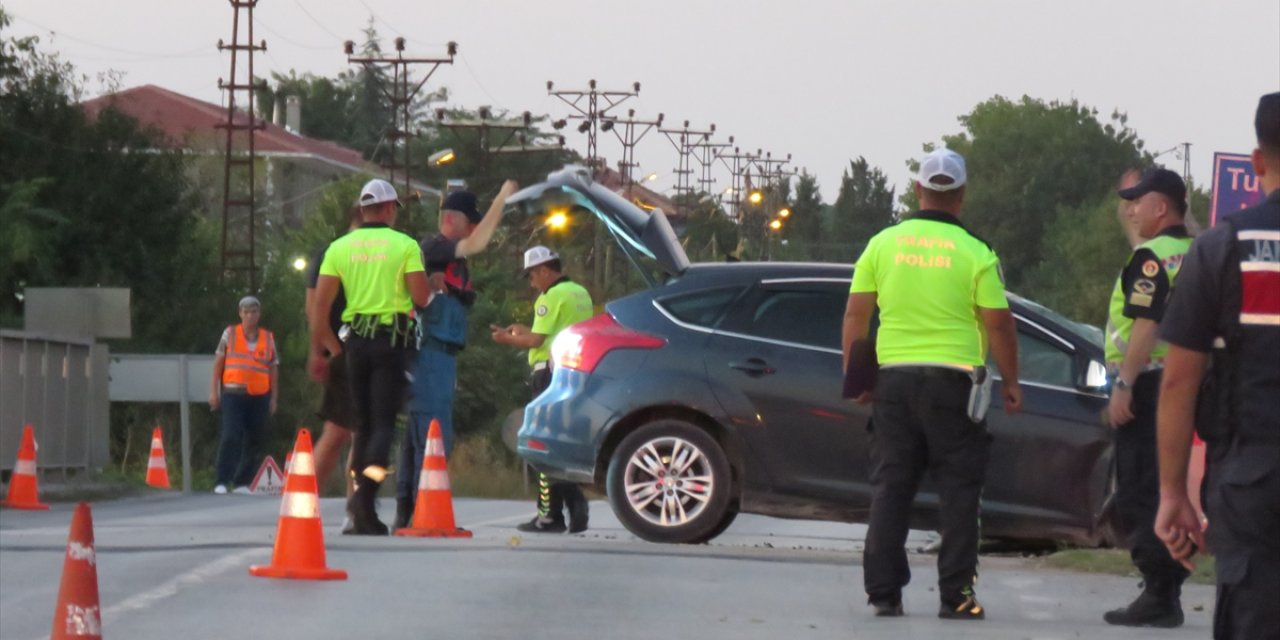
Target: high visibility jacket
(250, 369)
(1146, 283)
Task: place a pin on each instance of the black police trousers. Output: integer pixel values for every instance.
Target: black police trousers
(558, 494)
(919, 424)
(376, 373)
(1137, 496)
(1242, 500)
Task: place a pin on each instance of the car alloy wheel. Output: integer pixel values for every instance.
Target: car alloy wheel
(669, 481)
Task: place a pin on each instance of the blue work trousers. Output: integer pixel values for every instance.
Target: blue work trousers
(430, 398)
(244, 418)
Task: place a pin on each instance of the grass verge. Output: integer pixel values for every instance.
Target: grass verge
(1116, 562)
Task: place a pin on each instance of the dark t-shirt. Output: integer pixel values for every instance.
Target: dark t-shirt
(439, 255)
(340, 302)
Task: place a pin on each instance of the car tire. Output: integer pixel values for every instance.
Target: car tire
(682, 494)
(730, 515)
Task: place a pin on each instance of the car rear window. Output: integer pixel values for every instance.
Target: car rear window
(702, 308)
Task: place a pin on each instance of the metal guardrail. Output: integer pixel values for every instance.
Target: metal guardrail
(57, 385)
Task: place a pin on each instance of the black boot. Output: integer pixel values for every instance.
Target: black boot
(1159, 605)
(404, 513)
(578, 511)
(363, 512)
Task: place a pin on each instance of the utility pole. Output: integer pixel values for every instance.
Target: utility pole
(401, 96)
(239, 213)
(493, 136)
(686, 141)
(590, 111)
(591, 105)
(738, 164)
(629, 138)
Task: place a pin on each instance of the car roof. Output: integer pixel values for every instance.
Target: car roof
(770, 269)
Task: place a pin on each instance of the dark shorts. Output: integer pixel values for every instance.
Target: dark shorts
(337, 406)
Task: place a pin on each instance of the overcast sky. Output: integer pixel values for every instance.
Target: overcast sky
(823, 80)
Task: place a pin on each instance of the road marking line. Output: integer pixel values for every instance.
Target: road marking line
(170, 588)
(505, 520)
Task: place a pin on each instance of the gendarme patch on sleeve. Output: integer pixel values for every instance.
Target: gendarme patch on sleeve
(1140, 300)
(542, 310)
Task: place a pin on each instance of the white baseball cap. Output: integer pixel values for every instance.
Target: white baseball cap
(538, 255)
(377, 191)
(939, 163)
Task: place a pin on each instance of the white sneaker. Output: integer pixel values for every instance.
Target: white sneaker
(242, 491)
(220, 489)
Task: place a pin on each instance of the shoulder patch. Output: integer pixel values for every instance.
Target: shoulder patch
(542, 310)
(1144, 286)
(1173, 262)
(1150, 268)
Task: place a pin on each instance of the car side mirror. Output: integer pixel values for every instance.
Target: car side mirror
(1094, 378)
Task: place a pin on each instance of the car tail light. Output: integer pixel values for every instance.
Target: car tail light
(583, 345)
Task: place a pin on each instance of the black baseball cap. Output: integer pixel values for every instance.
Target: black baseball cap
(463, 202)
(1161, 181)
(1267, 121)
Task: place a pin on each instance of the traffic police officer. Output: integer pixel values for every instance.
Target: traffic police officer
(561, 302)
(380, 271)
(1225, 317)
(1135, 359)
(938, 287)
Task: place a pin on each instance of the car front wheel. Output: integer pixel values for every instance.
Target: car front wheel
(669, 481)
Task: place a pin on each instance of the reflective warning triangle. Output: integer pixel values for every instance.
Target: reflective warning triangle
(269, 480)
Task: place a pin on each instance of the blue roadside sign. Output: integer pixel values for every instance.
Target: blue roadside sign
(1235, 186)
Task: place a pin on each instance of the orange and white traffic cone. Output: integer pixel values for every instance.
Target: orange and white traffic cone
(77, 614)
(433, 512)
(157, 468)
(299, 550)
(23, 485)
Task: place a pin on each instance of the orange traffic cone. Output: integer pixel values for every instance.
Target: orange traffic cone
(433, 512)
(157, 468)
(23, 487)
(77, 614)
(299, 551)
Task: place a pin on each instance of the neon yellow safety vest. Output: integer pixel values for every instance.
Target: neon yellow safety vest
(1169, 250)
(930, 275)
(371, 262)
(564, 303)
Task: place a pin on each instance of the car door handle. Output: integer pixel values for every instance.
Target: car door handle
(752, 366)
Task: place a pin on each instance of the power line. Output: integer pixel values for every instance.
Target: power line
(318, 23)
(274, 32)
(91, 43)
(379, 19)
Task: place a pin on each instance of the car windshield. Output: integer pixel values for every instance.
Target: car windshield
(1087, 331)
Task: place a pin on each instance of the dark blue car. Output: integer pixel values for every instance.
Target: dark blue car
(717, 391)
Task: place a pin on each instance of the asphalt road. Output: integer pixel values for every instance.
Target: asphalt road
(177, 567)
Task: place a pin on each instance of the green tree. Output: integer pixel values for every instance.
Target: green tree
(1027, 161)
(803, 229)
(863, 207)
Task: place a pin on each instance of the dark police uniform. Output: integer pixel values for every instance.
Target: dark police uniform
(1228, 304)
(929, 273)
